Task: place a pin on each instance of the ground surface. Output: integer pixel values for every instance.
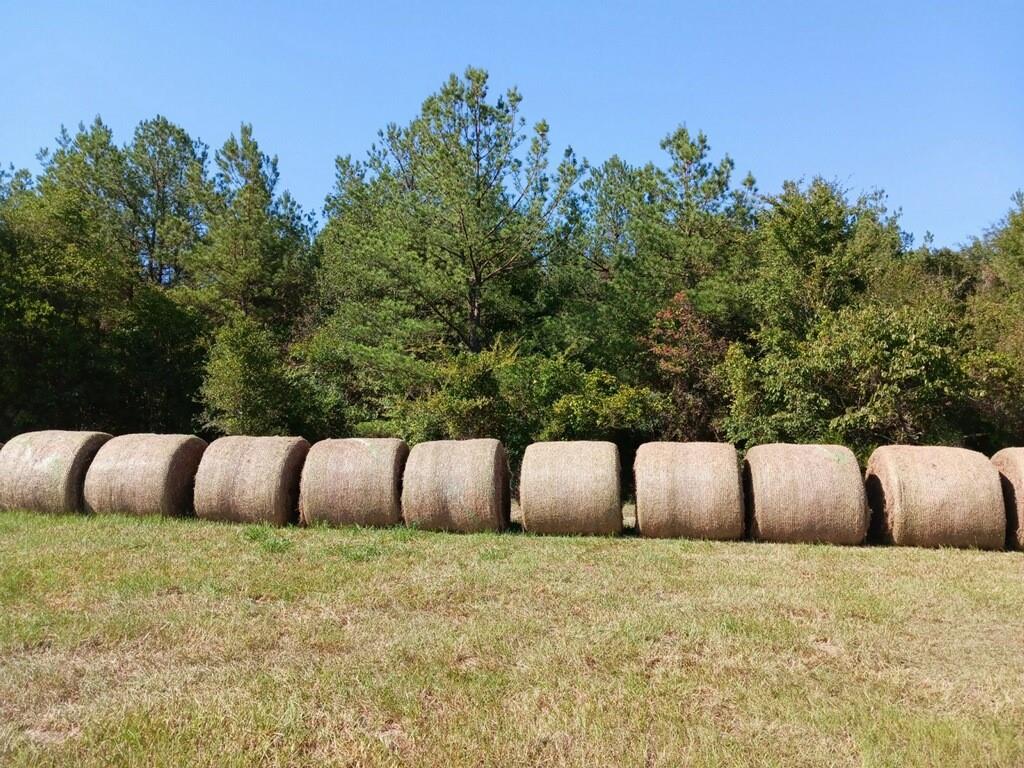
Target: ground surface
(149, 642)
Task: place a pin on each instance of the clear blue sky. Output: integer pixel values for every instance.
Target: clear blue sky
(925, 100)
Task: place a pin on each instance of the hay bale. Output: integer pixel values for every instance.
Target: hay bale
(144, 475)
(935, 496)
(805, 494)
(689, 490)
(353, 482)
(571, 488)
(45, 471)
(250, 479)
(1009, 462)
(456, 485)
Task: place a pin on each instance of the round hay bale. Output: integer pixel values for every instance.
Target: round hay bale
(456, 485)
(571, 488)
(935, 496)
(144, 475)
(805, 494)
(353, 482)
(250, 479)
(44, 471)
(689, 490)
(1009, 462)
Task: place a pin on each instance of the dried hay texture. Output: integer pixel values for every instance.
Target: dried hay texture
(571, 488)
(144, 475)
(456, 485)
(250, 479)
(353, 482)
(45, 471)
(935, 496)
(689, 490)
(1010, 464)
(805, 494)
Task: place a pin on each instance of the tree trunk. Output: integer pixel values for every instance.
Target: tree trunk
(474, 336)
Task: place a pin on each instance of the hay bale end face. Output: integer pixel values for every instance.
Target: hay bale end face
(353, 482)
(45, 471)
(456, 485)
(805, 494)
(935, 496)
(689, 490)
(250, 479)
(571, 488)
(144, 474)
(1009, 462)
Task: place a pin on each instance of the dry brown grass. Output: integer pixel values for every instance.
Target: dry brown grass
(156, 641)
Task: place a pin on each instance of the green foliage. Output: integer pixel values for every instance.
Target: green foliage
(839, 354)
(462, 286)
(247, 389)
(865, 376)
(256, 258)
(88, 337)
(643, 235)
(525, 398)
(251, 388)
(687, 353)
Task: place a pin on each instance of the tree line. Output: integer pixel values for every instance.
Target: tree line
(464, 282)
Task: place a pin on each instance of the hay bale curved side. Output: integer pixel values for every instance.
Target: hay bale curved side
(805, 494)
(571, 488)
(1009, 462)
(45, 471)
(689, 490)
(935, 496)
(144, 474)
(250, 479)
(456, 485)
(353, 482)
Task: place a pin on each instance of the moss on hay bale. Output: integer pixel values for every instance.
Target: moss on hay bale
(45, 471)
(144, 474)
(935, 496)
(571, 488)
(805, 494)
(250, 479)
(689, 490)
(353, 481)
(456, 485)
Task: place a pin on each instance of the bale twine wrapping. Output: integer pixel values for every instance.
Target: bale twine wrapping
(689, 490)
(45, 471)
(250, 479)
(571, 488)
(144, 475)
(1009, 462)
(935, 496)
(805, 494)
(456, 485)
(353, 482)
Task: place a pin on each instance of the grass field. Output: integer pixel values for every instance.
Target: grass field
(162, 642)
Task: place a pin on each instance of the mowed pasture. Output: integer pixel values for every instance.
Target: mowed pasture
(127, 641)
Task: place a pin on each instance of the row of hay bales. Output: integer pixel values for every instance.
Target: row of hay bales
(915, 496)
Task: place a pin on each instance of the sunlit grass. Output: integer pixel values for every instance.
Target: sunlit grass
(153, 642)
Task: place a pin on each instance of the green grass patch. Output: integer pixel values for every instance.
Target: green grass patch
(131, 641)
